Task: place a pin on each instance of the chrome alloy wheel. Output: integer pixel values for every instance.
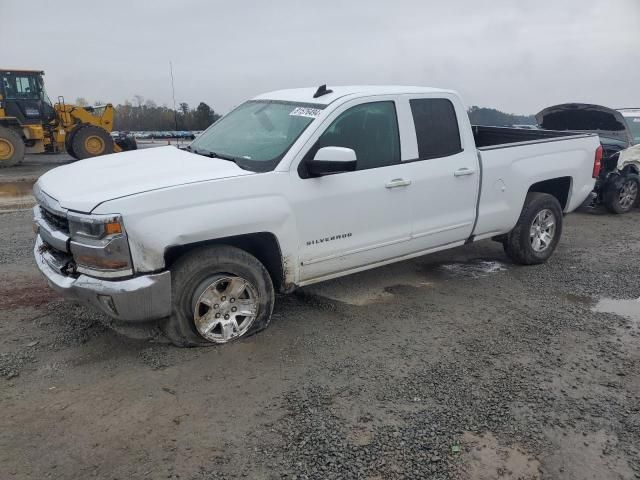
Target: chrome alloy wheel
(543, 229)
(226, 308)
(628, 194)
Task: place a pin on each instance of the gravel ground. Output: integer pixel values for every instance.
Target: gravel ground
(459, 365)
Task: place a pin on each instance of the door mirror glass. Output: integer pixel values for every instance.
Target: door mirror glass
(328, 160)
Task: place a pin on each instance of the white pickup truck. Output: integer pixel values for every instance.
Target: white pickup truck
(292, 188)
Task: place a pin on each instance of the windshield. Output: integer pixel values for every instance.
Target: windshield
(258, 133)
(634, 126)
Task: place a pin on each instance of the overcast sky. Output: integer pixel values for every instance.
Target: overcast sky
(518, 56)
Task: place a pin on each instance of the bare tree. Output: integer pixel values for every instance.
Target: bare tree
(138, 99)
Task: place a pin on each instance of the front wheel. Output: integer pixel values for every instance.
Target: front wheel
(220, 294)
(621, 193)
(538, 231)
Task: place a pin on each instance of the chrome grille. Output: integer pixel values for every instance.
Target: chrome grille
(59, 222)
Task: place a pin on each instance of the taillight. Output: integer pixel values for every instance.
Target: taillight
(597, 162)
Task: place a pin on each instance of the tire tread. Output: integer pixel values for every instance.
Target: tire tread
(517, 245)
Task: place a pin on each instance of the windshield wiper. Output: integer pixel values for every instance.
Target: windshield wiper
(209, 154)
(223, 156)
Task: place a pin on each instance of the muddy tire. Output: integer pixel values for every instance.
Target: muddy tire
(91, 141)
(537, 233)
(11, 147)
(622, 193)
(219, 294)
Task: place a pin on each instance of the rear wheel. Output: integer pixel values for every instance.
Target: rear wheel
(621, 193)
(11, 147)
(219, 294)
(91, 141)
(538, 231)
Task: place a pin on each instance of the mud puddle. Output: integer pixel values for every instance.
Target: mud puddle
(473, 268)
(378, 285)
(625, 308)
(16, 195)
(367, 288)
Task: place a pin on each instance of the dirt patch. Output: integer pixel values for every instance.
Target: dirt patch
(587, 455)
(485, 459)
(13, 362)
(16, 195)
(33, 294)
(360, 436)
(69, 323)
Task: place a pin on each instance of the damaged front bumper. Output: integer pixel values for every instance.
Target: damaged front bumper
(136, 299)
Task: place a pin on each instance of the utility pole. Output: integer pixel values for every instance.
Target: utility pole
(173, 94)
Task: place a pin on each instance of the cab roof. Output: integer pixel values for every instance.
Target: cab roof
(306, 95)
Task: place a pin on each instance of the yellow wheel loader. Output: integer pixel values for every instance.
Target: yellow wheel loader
(30, 123)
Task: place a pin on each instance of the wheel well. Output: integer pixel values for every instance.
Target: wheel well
(631, 169)
(558, 187)
(262, 245)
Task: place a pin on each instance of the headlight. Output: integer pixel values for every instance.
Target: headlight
(99, 245)
(94, 226)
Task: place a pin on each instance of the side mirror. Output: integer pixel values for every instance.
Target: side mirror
(330, 160)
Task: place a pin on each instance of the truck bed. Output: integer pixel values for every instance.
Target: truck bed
(513, 160)
(498, 137)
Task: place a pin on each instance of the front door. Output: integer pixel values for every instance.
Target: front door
(353, 219)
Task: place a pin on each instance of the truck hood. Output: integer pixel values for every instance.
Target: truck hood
(83, 185)
(584, 117)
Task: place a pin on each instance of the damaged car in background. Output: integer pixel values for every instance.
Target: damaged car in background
(632, 117)
(618, 184)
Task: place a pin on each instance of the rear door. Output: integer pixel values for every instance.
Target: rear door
(444, 173)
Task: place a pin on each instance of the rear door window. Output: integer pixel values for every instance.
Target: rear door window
(436, 126)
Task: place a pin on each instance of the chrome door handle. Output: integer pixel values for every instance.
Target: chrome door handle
(463, 171)
(397, 182)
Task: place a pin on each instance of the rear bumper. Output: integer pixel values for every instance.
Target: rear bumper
(137, 299)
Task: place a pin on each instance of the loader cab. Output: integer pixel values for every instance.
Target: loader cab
(24, 97)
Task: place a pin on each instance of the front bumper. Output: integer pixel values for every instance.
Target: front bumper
(137, 299)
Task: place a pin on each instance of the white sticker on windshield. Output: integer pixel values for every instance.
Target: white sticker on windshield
(636, 120)
(305, 112)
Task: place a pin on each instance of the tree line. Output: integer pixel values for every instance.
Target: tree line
(146, 115)
(496, 118)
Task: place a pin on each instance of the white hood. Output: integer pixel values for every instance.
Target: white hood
(83, 185)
